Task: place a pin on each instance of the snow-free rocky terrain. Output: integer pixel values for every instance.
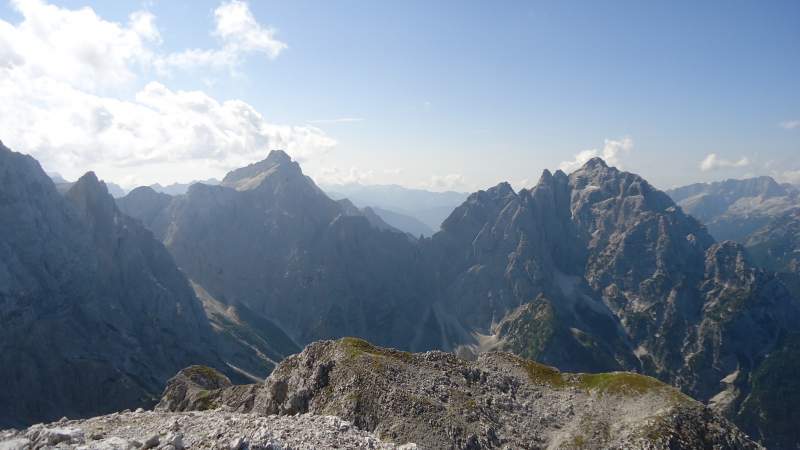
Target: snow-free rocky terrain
(595, 271)
(94, 314)
(351, 394)
(201, 430)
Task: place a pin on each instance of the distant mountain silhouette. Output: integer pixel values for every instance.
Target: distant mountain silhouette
(733, 209)
(430, 208)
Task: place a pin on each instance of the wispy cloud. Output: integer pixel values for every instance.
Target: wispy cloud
(338, 120)
(790, 124)
(239, 34)
(714, 162)
(451, 181)
(612, 152)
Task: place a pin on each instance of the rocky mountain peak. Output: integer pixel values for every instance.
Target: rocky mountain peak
(92, 199)
(479, 206)
(21, 168)
(147, 191)
(594, 163)
(763, 186)
(253, 175)
(502, 189)
(278, 157)
(546, 177)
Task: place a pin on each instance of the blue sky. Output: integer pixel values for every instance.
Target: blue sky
(445, 94)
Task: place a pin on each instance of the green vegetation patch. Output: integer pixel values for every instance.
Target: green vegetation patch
(205, 372)
(205, 400)
(618, 383)
(546, 375)
(356, 347)
(531, 330)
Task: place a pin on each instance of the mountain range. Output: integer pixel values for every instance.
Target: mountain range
(94, 314)
(415, 211)
(181, 188)
(591, 271)
(733, 209)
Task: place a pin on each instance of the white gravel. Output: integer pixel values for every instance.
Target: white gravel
(195, 430)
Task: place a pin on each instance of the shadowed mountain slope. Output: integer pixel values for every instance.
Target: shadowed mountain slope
(94, 313)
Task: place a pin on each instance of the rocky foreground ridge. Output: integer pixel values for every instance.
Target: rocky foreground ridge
(195, 430)
(438, 400)
(351, 394)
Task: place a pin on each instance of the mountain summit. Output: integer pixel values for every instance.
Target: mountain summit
(278, 163)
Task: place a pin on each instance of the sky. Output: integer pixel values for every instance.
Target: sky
(444, 95)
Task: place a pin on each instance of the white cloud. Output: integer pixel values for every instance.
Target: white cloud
(239, 33)
(714, 162)
(449, 182)
(60, 70)
(788, 176)
(79, 47)
(71, 130)
(613, 150)
(790, 124)
(338, 120)
(76, 46)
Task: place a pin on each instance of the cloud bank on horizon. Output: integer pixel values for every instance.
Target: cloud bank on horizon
(61, 68)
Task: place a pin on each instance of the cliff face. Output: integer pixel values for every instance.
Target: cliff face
(440, 401)
(94, 314)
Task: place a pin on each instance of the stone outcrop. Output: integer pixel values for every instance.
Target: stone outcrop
(438, 400)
